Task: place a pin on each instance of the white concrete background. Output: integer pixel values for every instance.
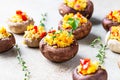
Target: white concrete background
(40, 67)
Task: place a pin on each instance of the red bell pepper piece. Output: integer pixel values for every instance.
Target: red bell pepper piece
(43, 34)
(19, 12)
(36, 29)
(85, 63)
(52, 31)
(24, 18)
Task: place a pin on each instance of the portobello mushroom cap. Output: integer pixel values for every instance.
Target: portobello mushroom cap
(58, 54)
(64, 9)
(81, 31)
(7, 43)
(100, 74)
(107, 24)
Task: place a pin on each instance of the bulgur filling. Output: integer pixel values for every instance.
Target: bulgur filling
(35, 32)
(114, 15)
(76, 4)
(115, 33)
(19, 17)
(71, 21)
(87, 67)
(4, 33)
(60, 38)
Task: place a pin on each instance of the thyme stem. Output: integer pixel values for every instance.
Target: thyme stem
(23, 64)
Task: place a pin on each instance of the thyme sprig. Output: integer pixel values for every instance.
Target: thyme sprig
(23, 64)
(95, 41)
(101, 51)
(43, 19)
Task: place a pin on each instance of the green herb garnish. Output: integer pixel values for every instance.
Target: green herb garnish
(22, 63)
(70, 33)
(73, 22)
(53, 37)
(101, 51)
(43, 19)
(97, 40)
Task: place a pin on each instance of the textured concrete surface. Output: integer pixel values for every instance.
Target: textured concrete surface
(40, 67)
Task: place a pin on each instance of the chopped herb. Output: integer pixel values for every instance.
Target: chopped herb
(22, 63)
(77, 21)
(74, 23)
(70, 33)
(58, 32)
(53, 37)
(61, 30)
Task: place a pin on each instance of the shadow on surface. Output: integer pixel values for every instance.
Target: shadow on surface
(87, 40)
(9, 53)
(69, 65)
(95, 21)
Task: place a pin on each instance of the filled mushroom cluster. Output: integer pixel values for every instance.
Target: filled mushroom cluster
(62, 45)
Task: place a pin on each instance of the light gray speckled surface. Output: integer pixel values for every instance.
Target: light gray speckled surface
(41, 68)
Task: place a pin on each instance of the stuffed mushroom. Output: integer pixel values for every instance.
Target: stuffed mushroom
(85, 7)
(88, 70)
(113, 39)
(19, 22)
(33, 35)
(58, 46)
(112, 19)
(78, 24)
(7, 40)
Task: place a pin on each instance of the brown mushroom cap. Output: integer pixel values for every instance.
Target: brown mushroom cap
(58, 54)
(7, 43)
(81, 32)
(107, 24)
(64, 9)
(100, 74)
